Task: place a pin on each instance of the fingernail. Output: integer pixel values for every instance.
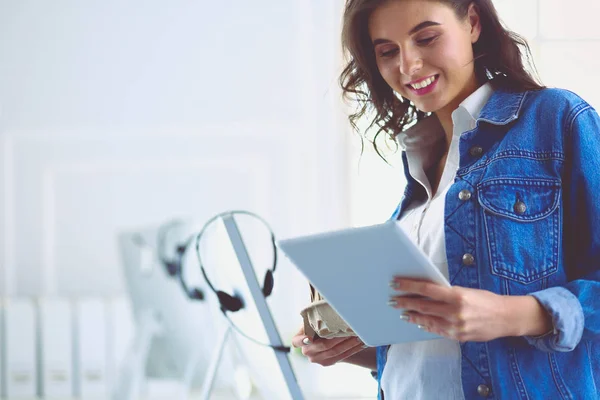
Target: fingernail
(365, 346)
(395, 284)
(421, 327)
(405, 317)
(306, 340)
(392, 302)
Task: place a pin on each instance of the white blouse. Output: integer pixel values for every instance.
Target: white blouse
(430, 369)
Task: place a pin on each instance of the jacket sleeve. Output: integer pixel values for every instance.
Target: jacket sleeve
(575, 307)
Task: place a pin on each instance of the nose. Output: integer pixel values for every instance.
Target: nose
(410, 62)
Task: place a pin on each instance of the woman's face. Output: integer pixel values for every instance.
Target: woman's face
(424, 52)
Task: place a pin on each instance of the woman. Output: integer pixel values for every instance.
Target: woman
(501, 195)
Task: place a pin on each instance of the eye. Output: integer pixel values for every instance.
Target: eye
(426, 41)
(388, 53)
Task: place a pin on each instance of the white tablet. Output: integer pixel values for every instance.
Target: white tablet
(352, 269)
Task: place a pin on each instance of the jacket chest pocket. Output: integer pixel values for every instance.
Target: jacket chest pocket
(521, 219)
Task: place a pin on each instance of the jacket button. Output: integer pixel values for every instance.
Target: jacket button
(483, 390)
(476, 151)
(520, 207)
(468, 259)
(464, 195)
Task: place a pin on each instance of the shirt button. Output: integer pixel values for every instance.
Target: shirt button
(483, 390)
(468, 259)
(476, 151)
(520, 207)
(464, 195)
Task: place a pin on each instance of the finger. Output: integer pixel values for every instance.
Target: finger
(342, 356)
(422, 306)
(455, 334)
(425, 288)
(300, 339)
(317, 355)
(332, 354)
(319, 345)
(451, 328)
(429, 323)
(327, 344)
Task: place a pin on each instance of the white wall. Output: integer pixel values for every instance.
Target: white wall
(116, 115)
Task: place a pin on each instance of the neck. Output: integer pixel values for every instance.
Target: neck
(445, 119)
(444, 114)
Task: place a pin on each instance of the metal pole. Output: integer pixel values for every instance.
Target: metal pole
(261, 304)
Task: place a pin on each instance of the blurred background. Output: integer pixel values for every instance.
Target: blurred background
(118, 116)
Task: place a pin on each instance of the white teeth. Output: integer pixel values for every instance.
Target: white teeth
(423, 84)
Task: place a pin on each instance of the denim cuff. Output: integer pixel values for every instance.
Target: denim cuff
(567, 318)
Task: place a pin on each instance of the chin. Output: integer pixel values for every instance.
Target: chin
(428, 107)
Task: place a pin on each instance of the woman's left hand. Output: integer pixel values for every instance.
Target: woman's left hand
(454, 312)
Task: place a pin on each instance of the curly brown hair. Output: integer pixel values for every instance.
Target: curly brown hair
(498, 57)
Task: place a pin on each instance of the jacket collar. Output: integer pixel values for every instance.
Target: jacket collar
(502, 107)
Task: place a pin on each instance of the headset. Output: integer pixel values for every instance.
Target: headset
(234, 302)
(174, 267)
(227, 301)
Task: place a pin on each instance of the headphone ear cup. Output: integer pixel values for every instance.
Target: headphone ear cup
(229, 302)
(172, 268)
(196, 294)
(268, 283)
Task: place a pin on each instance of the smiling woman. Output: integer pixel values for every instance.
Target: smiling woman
(435, 54)
(501, 195)
(449, 39)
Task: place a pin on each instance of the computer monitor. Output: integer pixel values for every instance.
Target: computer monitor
(192, 329)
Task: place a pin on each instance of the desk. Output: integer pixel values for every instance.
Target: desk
(225, 395)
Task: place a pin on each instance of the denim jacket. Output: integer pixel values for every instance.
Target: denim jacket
(526, 205)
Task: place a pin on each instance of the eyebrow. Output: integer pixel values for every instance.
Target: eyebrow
(422, 25)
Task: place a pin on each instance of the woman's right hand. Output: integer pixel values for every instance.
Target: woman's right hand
(327, 352)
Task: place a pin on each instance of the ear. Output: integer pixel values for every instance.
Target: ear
(474, 22)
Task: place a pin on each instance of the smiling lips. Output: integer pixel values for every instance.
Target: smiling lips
(424, 86)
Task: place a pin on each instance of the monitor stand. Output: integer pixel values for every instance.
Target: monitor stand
(131, 382)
